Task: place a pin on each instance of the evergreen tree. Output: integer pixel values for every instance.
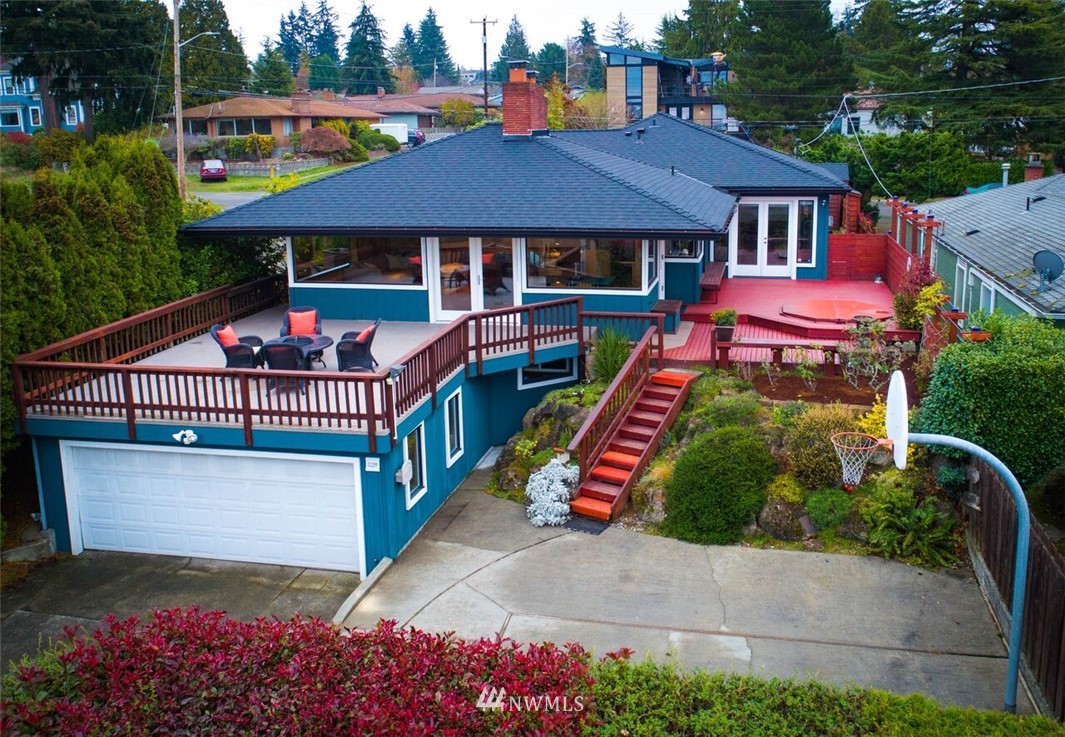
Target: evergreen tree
(594, 76)
(551, 61)
(711, 26)
(672, 36)
(212, 67)
(296, 36)
(365, 65)
(326, 40)
(790, 68)
(402, 54)
(621, 33)
(270, 74)
(325, 74)
(963, 43)
(515, 47)
(104, 54)
(874, 41)
(430, 53)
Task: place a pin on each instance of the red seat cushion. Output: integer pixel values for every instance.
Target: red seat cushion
(364, 334)
(302, 323)
(228, 336)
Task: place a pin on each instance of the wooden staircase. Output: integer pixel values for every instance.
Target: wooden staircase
(634, 442)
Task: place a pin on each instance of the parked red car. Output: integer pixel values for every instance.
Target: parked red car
(213, 170)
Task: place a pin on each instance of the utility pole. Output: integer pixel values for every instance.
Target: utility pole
(484, 45)
(178, 121)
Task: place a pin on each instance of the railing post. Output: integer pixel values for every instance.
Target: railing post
(580, 326)
(20, 396)
(661, 341)
(390, 411)
(245, 405)
(531, 332)
(433, 371)
(479, 337)
(371, 413)
(127, 390)
(722, 356)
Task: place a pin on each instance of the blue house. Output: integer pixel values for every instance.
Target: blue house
(492, 251)
(21, 109)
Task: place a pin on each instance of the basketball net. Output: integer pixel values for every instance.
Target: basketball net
(854, 450)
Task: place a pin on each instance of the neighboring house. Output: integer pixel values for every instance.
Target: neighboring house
(399, 109)
(862, 118)
(21, 109)
(984, 248)
(543, 228)
(643, 83)
(270, 116)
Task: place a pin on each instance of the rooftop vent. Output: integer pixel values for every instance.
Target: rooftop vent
(974, 231)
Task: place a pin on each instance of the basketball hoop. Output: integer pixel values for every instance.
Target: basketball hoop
(854, 450)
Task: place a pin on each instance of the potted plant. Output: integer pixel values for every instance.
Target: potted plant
(725, 324)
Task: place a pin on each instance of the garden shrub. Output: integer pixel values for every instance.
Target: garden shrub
(808, 445)
(1051, 491)
(733, 409)
(786, 488)
(953, 481)
(356, 153)
(900, 527)
(260, 146)
(718, 483)
(549, 491)
(324, 142)
(1005, 394)
(193, 672)
(340, 126)
(828, 508)
(17, 150)
(784, 414)
(609, 353)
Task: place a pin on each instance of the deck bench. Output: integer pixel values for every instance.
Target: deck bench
(710, 283)
(671, 309)
(829, 351)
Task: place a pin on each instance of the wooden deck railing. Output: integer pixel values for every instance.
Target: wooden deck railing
(632, 324)
(590, 441)
(90, 375)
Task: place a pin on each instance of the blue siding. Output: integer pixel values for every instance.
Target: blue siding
(50, 470)
(595, 302)
(682, 281)
(820, 270)
(345, 303)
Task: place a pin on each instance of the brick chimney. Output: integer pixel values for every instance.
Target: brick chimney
(1032, 171)
(380, 92)
(524, 103)
(301, 102)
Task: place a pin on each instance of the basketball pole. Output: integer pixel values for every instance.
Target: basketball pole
(1020, 560)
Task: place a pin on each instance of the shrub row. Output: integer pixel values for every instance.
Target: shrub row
(192, 672)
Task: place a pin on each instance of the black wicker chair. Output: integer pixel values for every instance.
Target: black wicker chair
(366, 337)
(244, 353)
(286, 328)
(284, 357)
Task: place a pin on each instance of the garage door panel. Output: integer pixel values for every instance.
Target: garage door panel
(286, 510)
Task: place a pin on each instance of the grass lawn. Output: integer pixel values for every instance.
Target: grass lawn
(258, 184)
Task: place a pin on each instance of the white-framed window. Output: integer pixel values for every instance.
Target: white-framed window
(8, 85)
(286, 126)
(414, 453)
(957, 299)
(10, 117)
(453, 426)
(807, 233)
(854, 124)
(685, 250)
(548, 372)
(35, 117)
(70, 115)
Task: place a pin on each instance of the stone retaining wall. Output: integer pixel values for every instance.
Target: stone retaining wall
(260, 168)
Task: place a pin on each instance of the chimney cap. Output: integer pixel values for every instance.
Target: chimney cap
(517, 63)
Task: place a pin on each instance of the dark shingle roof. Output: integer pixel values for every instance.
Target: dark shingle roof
(679, 180)
(478, 183)
(719, 160)
(842, 172)
(1010, 228)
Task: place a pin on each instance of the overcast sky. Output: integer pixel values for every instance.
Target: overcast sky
(543, 20)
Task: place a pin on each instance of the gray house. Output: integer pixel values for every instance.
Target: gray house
(984, 249)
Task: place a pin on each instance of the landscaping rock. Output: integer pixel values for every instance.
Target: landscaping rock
(781, 520)
(813, 545)
(511, 479)
(853, 528)
(649, 504)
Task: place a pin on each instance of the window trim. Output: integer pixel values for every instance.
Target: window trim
(700, 250)
(40, 117)
(451, 455)
(629, 292)
(293, 282)
(67, 112)
(570, 376)
(18, 114)
(420, 491)
(813, 232)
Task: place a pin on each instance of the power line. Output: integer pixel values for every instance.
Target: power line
(959, 89)
(861, 148)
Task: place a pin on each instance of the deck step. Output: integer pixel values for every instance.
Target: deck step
(600, 490)
(611, 474)
(621, 460)
(649, 419)
(652, 405)
(588, 507)
(631, 431)
(628, 445)
(660, 391)
(670, 378)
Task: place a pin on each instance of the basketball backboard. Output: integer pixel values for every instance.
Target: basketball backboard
(898, 419)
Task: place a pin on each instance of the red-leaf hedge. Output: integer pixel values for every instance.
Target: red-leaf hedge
(195, 672)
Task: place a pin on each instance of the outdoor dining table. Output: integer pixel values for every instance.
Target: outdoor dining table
(311, 346)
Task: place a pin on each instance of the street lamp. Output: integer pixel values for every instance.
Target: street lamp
(178, 120)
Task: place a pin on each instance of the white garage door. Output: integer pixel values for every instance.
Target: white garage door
(258, 507)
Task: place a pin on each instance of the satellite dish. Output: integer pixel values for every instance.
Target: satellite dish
(1049, 266)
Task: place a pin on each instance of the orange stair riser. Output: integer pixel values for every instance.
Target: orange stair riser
(647, 419)
(593, 508)
(628, 445)
(621, 460)
(601, 491)
(610, 473)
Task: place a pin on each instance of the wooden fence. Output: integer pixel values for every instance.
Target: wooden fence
(992, 542)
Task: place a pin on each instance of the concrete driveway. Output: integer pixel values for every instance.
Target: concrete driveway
(80, 591)
(479, 568)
